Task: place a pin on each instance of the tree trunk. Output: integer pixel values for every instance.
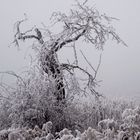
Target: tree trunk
(51, 66)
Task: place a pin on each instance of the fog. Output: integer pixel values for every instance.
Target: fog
(120, 67)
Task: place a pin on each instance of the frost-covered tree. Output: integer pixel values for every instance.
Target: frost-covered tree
(83, 23)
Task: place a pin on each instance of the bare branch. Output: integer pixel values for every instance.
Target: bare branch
(71, 67)
(91, 80)
(75, 54)
(55, 49)
(100, 58)
(15, 75)
(87, 61)
(85, 2)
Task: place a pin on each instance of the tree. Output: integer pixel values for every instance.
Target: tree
(83, 23)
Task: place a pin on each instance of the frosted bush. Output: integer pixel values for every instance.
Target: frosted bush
(78, 134)
(67, 137)
(37, 138)
(4, 134)
(46, 128)
(107, 124)
(123, 127)
(128, 112)
(109, 134)
(65, 131)
(137, 110)
(15, 135)
(122, 136)
(36, 132)
(102, 125)
(49, 136)
(90, 134)
(131, 120)
(128, 122)
(112, 124)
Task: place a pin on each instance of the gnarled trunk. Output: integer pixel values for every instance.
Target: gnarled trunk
(51, 66)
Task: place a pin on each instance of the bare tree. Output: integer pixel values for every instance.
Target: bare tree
(83, 23)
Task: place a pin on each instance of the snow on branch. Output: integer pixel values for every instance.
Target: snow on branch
(82, 23)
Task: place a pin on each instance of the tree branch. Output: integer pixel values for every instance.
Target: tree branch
(55, 49)
(91, 80)
(87, 61)
(23, 36)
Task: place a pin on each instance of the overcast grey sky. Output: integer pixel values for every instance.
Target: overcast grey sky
(120, 68)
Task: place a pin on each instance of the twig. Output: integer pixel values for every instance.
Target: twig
(98, 66)
(13, 74)
(75, 54)
(87, 61)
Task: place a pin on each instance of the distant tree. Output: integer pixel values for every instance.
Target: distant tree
(83, 23)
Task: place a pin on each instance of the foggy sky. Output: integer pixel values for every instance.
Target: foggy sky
(120, 68)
